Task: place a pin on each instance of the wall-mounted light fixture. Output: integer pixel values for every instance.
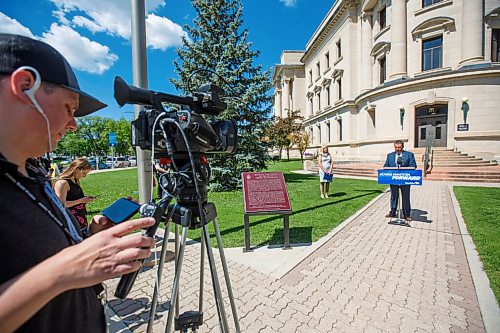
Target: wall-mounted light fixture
(465, 108)
(401, 115)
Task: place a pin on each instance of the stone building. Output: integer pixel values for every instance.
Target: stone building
(380, 70)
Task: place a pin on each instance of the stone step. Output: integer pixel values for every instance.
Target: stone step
(356, 169)
(458, 158)
(354, 173)
(486, 171)
(464, 179)
(464, 164)
(463, 175)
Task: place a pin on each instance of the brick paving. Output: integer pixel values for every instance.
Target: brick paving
(369, 277)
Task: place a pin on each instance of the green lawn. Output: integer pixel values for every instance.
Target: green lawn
(480, 208)
(312, 216)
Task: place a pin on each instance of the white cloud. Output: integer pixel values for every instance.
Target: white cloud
(86, 23)
(12, 26)
(61, 16)
(289, 3)
(162, 33)
(81, 52)
(113, 18)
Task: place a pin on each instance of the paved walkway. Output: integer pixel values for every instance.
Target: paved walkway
(368, 277)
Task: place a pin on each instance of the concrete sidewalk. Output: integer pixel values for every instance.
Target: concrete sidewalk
(368, 276)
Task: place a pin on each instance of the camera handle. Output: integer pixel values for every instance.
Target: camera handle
(147, 210)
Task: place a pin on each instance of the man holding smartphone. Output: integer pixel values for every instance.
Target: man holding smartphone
(48, 275)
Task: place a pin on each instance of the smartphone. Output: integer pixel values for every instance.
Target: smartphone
(121, 210)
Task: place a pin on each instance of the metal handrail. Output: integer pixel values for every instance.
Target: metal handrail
(426, 160)
(428, 153)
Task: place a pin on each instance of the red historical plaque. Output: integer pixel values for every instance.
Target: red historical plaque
(265, 192)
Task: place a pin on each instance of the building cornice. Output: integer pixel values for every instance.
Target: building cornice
(423, 83)
(333, 16)
(279, 68)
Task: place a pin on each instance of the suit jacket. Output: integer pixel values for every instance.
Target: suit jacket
(408, 160)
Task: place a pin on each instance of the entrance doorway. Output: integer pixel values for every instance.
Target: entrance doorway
(431, 125)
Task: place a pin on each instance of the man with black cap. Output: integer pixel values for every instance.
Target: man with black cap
(49, 272)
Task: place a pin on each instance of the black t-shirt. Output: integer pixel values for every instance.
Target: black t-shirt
(28, 236)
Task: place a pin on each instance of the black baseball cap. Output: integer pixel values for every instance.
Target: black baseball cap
(17, 51)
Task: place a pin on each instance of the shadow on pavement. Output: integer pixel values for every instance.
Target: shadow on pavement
(420, 216)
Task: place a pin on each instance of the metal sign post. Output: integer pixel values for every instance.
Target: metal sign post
(112, 143)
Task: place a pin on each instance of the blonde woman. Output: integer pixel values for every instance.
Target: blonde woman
(69, 191)
(325, 163)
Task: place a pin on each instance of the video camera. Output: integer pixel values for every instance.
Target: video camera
(179, 134)
(202, 136)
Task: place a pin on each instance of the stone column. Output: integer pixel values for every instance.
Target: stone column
(277, 103)
(398, 39)
(366, 46)
(286, 98)
(316, 139)
(309, 106)
(472, 31)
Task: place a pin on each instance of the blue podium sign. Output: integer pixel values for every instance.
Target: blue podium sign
(400, 177)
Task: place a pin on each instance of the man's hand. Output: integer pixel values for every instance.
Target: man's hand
(108, 254)
(105, 255)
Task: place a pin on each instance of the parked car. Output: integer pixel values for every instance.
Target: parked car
(133, 161)
(121, 162)
(109, 161)
(63, 164)
(102, 165)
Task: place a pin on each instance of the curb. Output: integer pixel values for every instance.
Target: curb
(485, 297)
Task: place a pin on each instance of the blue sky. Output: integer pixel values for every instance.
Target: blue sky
(94, 35)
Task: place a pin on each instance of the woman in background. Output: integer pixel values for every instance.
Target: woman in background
(69, 191)
(325, 164)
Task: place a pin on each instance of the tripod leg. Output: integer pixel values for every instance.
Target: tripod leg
(175, 286)
(215, 281)
(176, 261)
(154, 301)
(400, 195)
(226, 275)
(202, 276)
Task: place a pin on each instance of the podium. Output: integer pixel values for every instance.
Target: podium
(400, 176)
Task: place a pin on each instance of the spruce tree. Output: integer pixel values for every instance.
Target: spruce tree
(218, 51)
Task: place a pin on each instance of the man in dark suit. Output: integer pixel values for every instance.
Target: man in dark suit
(400, 159)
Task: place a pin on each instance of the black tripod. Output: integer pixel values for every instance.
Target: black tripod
(191, 320)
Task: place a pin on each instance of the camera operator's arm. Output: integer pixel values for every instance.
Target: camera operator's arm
(103, 256)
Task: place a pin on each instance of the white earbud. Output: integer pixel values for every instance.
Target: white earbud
(31, 91)
(31, 95)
